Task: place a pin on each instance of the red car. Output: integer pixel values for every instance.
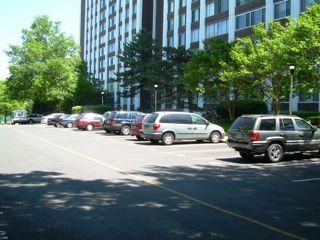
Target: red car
(136, 126)
(89, 121)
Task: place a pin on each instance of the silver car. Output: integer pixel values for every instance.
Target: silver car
(170, 126)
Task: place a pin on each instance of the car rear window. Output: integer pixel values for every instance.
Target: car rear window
(121, 115)
(139, 118)
(243, 123)
(151, 118)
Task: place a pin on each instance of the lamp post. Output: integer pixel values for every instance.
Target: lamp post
(292, 69)
(102, 93)
(155, 97)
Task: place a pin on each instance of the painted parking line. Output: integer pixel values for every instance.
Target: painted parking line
(177, 193)
(306, 180)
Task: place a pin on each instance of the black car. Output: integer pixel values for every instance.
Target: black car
(68, 121)
(272, 135)
(120, 121)
(55, 119)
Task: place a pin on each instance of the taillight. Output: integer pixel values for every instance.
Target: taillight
(156, 127)
(254, 136)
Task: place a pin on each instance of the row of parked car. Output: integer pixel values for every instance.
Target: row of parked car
(250, 135)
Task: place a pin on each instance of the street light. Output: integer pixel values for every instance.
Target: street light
(102, 93)
(155, 97)
(291, 68)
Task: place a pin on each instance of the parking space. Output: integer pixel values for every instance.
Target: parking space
(184, 190)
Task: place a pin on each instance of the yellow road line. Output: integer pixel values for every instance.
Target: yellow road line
(153, 183)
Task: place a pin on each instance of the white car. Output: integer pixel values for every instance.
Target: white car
(170, 126)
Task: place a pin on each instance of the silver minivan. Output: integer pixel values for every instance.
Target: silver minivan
(170, 126)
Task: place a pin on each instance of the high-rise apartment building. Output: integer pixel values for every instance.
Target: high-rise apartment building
(108, 25)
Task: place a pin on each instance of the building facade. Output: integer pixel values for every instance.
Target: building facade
(107, 25)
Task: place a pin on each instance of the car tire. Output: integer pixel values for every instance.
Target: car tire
(167, 138)
(215, 137)
(125, 130)
(139, 137)
(89, 127)
(69, 125)
(246, 156)
(30, 121)
(274, 153)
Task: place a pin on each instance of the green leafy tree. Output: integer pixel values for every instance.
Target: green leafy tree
(142, 67)
(7, 105)
(173, 64)
(211, 73)
(43, 68)
(264, 58)
(305, 38)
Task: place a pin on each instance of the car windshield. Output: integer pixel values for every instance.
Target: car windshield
(243, 123)
(152, 118)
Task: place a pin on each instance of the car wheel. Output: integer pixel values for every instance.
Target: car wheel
(30, 121)
(139, 137)
(125, 130)
(167, 138)
(215, 137)
(274, 153)
(246, 156)
(89, 127)
(69, 125)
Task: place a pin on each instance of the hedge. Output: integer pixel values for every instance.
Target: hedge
(91, 108)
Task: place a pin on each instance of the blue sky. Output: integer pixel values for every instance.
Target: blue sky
(18, 14)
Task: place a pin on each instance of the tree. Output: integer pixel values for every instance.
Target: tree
(209, 73)
(142, 68)
(264, 58)
(173, 64)
(306, 35)
(43, 68)
(7, 105)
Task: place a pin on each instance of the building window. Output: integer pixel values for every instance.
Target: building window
(102, 27)
(110, 87)
(111, 35)
(170, 24)
(195, 15)
(195, 35)
(307, 3)
(282, 9)
(112, 21)
(182, 3)
(250, 19)
(182, 20)
(210, 9)
(111, 48)
(102, 15)
(112, 9)
(182, 39)
(307, 98)
(170, 41)
(244, 2)
(217, 29)
(111, 61)
(171, 6)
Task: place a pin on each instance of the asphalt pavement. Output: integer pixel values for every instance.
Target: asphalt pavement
(58, 183)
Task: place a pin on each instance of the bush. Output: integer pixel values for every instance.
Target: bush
(244, 107)
(91, 108)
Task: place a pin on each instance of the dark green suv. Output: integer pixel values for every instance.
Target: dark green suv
(272, 135)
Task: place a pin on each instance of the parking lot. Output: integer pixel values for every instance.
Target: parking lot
(61, 183)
